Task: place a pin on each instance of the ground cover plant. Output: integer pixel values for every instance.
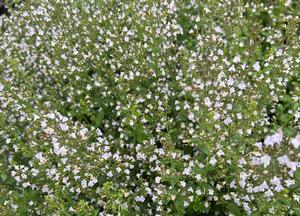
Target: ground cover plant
(150, 107)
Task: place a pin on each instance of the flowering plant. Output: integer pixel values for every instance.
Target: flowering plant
(150, 108)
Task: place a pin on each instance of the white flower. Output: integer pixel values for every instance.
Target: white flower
(220, 153)
(182, 183)
(84, 183)
(105, 156)
(191, 116)
(63, 127)
(269, 193)
(131, 123)
(237, 59)
(232, 184)
(139, 199)
(256, 66)
(230, 81)
(216, 116)
(92, 182)
(61, 151)
(186, 171)
(207, 102)
(275, 181)
(274, 139)
(265, 160)
(278, 188)
(213, 161)
(242, 85)
(49, 131)
(157, 179)
(228, 121)
(51, 116)
(40, 157)
(255, 161)
(218, 29)
(296, 141)
(1, 87)
(283, 160)
(279, 52)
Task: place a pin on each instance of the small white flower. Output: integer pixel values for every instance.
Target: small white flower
(40, 157)
(242, 85)
(220, 153)
(51, 116)
(269, 193)
(157, 179)
(218, 29)
(237, 59)
(279, 52)
(64, 127)
(296, 141)
(61, 151)
(213, 161)
(228, 121)
(216, 116)
(131, 123)
(207, 102)
(105, 156)
(265, 160)
(49, 131)
(256, 66)
(139, 199)
(84, 183)
(186, 171)
(274, 139)
(191, 116)
(88, 87)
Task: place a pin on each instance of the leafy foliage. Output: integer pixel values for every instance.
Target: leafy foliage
(150, 108)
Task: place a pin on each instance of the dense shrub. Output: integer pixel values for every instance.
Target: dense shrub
(150, 108)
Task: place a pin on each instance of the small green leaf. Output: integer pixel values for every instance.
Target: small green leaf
(234, 209)
(3, 176)
(98, 119)
(139, 133)
(297, 176)
(297, 211)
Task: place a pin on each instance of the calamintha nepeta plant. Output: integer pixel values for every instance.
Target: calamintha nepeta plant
(150, 108)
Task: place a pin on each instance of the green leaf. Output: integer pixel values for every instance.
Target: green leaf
(242, 148)
(98, 119)
(178, 165)
(234, 209)
(297, 211)
(290, 131)
(178, 203)
(3, 176)
(139, 133)
(204, 149)
(198, 205)
(297, 176)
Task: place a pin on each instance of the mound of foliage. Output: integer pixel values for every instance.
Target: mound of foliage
(144, 107)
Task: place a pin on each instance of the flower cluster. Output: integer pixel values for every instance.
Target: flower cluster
(150, 108)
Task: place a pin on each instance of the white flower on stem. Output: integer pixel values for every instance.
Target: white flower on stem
(105, 156)
(139, 199)
(296, 141)
(274, 139)
(256, 66)
(265, 160)
(207, 102)
(191, 116)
